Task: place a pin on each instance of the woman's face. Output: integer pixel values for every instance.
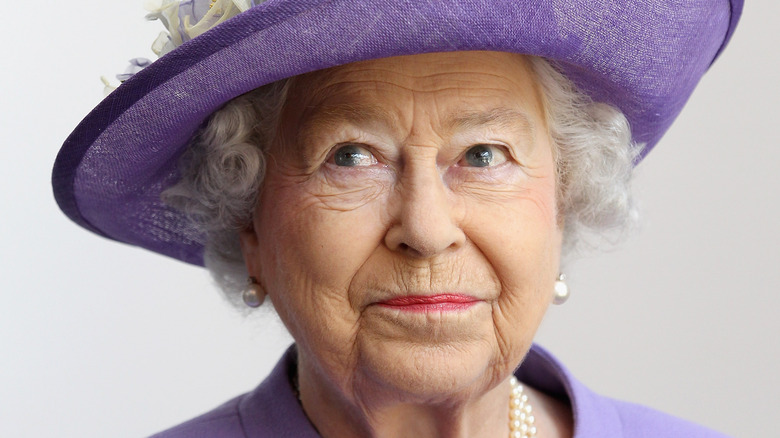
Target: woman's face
(407, 231)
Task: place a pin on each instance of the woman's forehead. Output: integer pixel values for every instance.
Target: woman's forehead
(462, 88)
(430, 71)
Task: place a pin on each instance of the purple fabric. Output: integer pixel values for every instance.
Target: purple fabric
(272, 410)
(642, 57)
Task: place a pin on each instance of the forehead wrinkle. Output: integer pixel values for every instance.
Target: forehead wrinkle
(504, 118)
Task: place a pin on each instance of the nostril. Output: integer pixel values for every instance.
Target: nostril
(409, 250)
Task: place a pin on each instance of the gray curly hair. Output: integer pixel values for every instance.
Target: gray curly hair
(224, 167)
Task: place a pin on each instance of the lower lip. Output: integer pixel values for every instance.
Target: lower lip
(435, 303)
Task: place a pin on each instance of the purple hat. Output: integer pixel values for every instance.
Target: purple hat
(642, 56)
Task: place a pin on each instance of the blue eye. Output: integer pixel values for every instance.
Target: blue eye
(483, 155)
(353, 156)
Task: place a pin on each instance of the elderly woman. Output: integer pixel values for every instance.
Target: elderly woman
(400, 180)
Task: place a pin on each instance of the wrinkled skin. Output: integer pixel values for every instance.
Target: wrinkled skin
(374, 190)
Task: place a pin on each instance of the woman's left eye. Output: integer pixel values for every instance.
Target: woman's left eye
(352, 155)
(483, 155)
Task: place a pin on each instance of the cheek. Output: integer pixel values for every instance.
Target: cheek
(521, 244)
(521, 240)
(310, 255)
(311, 251)
(520, 229)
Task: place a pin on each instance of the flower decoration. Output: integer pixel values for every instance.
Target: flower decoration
(136, 65)
(185, 20)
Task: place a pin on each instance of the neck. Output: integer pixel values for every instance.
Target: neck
(378, 412)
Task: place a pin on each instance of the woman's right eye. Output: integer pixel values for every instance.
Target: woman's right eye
(352, 155)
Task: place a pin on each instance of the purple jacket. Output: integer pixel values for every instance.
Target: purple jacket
(272, 410)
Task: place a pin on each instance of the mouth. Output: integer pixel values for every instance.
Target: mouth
(430, 303)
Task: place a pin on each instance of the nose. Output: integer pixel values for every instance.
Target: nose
(426, 218)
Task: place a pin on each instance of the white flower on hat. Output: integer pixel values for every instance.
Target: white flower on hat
(186, 19)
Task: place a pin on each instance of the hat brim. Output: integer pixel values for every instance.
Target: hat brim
(644, 58)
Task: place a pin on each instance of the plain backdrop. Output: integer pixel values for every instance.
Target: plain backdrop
(100, 339)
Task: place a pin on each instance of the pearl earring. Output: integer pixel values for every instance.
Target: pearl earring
(561, 290)
(253, 295)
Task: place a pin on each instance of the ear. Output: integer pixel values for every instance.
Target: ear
(250, 246)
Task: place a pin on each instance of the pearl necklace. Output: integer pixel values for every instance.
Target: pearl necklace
(521, 420)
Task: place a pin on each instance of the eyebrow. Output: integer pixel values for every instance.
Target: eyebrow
(501, 117)
(358, 114)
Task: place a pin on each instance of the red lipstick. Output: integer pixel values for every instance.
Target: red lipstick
(431, 303)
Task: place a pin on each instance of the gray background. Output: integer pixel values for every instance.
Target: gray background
(100, 339)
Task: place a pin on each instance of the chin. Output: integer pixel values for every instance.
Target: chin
(426, 373)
